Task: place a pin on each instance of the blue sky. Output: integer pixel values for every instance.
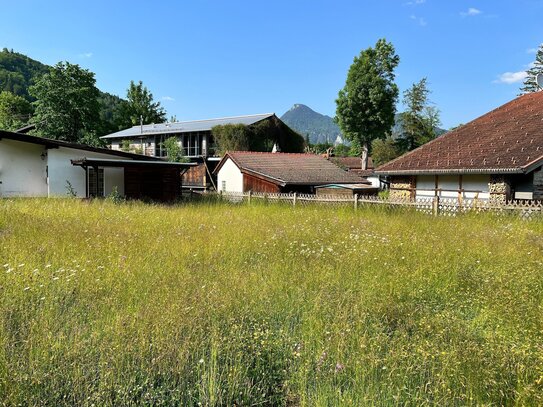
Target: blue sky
(208, 58)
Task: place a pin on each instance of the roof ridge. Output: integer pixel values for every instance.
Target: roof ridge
(206, 120)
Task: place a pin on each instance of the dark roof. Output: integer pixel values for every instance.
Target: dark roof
(290, 169)
(49, 143)
(186, 126)
(508, 139)
(105, 162)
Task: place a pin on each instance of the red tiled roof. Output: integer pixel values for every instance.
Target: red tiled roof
(290, 169)
(508, 139)
(351, 163)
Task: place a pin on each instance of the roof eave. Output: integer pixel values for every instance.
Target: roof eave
(458, 171)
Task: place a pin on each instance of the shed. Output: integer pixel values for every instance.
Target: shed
(244, 171)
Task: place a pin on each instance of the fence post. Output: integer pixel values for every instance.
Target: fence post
(250, 195)
(355, 202)
(294, 198)
(435, 206)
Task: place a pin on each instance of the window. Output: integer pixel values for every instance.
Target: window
(94, 188)
(223, 186)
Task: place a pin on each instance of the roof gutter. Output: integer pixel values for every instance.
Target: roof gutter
(454, 171)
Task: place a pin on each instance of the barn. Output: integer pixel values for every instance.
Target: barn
(39, 167)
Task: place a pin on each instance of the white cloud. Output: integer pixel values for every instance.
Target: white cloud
(168, 99)
(472, 11)
(531, 50)
(85, 55)
(511, 77)
(415, 2)
(421, 21)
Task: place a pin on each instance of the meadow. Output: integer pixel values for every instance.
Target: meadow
(213, 304)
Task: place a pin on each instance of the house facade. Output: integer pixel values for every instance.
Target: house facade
(496, 157)
(195, 139)
(39, 167)
(245, 171)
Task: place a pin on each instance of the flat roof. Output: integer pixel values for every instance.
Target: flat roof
(50, 143)
(104, 162)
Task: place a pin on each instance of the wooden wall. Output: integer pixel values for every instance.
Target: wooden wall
(157, 184)
(254, 184)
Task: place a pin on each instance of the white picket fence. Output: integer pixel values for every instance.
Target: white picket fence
(434, 206)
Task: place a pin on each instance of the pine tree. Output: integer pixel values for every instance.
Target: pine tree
(530, 84)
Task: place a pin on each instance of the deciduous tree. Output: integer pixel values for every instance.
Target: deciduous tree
(367, 103)
(15, 111)
(66, 106)
(141, 106)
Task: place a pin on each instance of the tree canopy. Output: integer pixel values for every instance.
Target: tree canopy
(367, 103)
(15, 111)
(140, 106)
(420, 120)
(66, 106)
(536, 68)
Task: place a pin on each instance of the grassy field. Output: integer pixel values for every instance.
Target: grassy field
(210, 304)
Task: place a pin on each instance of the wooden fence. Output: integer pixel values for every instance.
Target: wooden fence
(433, 205)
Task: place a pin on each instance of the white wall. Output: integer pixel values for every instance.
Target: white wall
(424, 184)
(476, 183)
(375, 182)
(22, 169)
(62, 170)
(449, 184)
(230, 173)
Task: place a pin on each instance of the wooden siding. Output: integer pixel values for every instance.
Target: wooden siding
(254, 184)
(157, 184)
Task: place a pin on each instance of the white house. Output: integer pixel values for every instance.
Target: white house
(39, 167)
(496, 157)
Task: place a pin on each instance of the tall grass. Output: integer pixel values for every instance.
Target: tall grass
(214, 304)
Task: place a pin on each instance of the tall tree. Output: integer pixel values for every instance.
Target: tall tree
(141, 106)
(384, 150)
(530, 84)
(367, 104)
(420, 120)
(15, 111)
(66, 106)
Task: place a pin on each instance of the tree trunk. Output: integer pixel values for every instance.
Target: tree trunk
(364, 156)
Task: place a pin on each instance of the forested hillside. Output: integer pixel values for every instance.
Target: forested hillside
(18, 72)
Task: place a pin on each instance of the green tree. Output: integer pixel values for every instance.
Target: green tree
(141, 106)
(66, 106)
(530, 84)
(174, 152)
(384, 150)
(231, 137)
(420, 120)
(15, 111)
(367, 104)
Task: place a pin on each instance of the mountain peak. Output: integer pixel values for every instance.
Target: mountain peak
(319, 127)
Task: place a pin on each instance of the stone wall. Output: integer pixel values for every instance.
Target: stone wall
(402, 187)
(499, 188)
(538, 183)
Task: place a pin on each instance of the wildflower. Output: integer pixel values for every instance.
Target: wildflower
(201, 361)
(27, 288)
(339, 367)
